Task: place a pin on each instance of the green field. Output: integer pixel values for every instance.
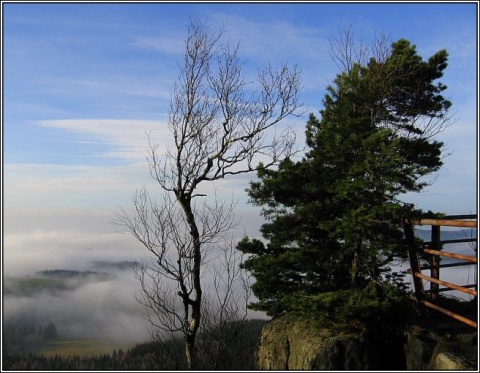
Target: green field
(78, 347)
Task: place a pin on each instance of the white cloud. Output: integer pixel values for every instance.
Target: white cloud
(43, 186)
(128, 137)
(68, 197)
(74, 247)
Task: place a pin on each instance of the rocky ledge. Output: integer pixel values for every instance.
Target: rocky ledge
(289, 343)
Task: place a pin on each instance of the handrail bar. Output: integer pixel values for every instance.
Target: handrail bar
(444, 311)
(444, 222)
(469, 258)
(449, 313)
(448, 289)
(447, 284)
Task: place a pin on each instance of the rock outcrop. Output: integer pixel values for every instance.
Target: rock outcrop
(440, 346)
(289, 343)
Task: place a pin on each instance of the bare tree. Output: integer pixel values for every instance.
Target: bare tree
(345, 51)
(220, 127)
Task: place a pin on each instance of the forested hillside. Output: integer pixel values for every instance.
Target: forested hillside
(143, 356)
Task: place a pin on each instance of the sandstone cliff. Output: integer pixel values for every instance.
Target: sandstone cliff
(289, 343)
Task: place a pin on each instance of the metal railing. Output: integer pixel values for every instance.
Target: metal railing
(434, 250)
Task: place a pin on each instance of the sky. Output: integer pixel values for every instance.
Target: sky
(82, 83)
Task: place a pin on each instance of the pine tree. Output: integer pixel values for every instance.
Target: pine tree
(334, 218)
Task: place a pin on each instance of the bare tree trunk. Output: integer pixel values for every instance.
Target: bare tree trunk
(192, 325)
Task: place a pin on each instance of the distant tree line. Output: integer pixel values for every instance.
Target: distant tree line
(143, 356)
(121, 265)
(68, 273)
(115, 361)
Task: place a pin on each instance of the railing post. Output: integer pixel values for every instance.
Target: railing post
(435, 263)
(414, 266)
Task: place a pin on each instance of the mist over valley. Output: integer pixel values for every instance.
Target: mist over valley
(95, 303)
(94, 298)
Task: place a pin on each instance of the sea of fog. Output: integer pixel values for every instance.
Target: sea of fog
(106, 309)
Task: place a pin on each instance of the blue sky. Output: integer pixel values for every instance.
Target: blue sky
(82, 83)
